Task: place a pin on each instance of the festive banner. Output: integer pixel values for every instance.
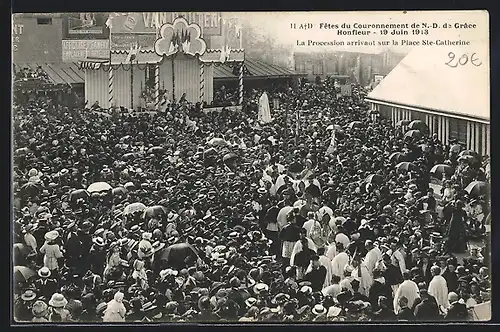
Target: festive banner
(180, 36)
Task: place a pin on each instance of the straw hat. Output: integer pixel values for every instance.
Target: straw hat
(51, 236)
(28, 295)
(58, 301)
(44, 272)
(260, 288)
(319, 309)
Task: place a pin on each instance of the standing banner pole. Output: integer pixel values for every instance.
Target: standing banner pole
(240, 85)
(131, 86)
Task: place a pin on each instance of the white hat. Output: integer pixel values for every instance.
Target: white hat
(319, 309)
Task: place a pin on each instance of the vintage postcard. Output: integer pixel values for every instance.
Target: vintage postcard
(223, 167)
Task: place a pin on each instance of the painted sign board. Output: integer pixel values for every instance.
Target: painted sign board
(76, 50)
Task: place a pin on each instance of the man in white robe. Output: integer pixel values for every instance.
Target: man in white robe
(345, 283)
(340, 261)
(372, 257)
(408, 289)
(314, 230)
(342, 238)
(361, 273)
(331, 251)
(439, 289)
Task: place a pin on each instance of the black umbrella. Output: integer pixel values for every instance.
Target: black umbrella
(396, 157)
(156, 149)
(313, 190)
(228, 157)
(418, 125)
(374, 179)
(402, 123)
(23, 273)
(30, 189)
(154, 211)
(119, 191)
(178, 255)
(79, 193)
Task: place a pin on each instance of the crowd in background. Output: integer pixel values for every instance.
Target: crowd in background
(323, 214)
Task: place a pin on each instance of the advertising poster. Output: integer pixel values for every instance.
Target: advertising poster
(85, 26)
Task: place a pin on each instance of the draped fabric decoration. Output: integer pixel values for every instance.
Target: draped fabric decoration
(111, 84)
(202, 81)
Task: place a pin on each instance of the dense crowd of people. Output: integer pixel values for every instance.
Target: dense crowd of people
(323, 214)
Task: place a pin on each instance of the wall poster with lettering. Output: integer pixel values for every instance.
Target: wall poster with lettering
(85, 26)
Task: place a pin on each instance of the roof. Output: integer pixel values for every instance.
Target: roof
(59, 73)
(255, 68)
(423, 80)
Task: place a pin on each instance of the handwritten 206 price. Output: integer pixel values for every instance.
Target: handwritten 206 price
(463, 60)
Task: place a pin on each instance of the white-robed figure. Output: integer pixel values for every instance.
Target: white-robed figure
(298, 248)
(340, 261)
(372, 256)
(409, 289)
(314, 231)
(115, 310)
(439, 289)
(361, 273)
(264, 109)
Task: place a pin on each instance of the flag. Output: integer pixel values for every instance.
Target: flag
(332, 146)
(132, 55)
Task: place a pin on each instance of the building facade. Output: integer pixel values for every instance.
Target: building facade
(36, 38)
(360, 67)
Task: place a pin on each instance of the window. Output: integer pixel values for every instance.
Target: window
(44, 21)
(318, 68)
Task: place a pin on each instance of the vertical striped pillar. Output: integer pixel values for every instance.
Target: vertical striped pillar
(157, 86)
(431, 124)
(468, 144)
(111, 84)
(240, 85)
(483, 140)
(202, 82)
(440, 128)
(446, 129)
(476, 137)
(488, 139)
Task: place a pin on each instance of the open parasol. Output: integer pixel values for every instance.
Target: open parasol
(154, 211)
(456, 148)
(413, 133)
(468, 158)
(439, 169)
(129, 156)
(355, 124)
(156, 149)
(23, 273)
(79, 193)
(98, 187)
(119, 191)
(133, 208)
(179, 255)
(22, 151)
(478, 188)
(228, 157)
(374, 179)
(396, 157)
(405, 166)
(216, 141)
(418, 125)
(402, 123)
(334, 126)
(30, 189)
(469, 153)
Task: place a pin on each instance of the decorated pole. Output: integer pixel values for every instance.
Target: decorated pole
(173, 80)
(240, 84)
(202, 81)
(111, 83)
(131, 86)
(157, 86)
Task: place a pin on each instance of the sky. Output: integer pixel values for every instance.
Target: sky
(278, 25)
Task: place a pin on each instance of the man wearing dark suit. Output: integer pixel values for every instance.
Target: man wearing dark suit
(427, 309)
(405, 313)
(379, 288)
(457, 310)
(450, 276)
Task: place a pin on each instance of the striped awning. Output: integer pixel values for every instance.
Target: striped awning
(58, 73)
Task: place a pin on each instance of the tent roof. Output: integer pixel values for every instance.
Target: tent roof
(423, 80)
(256, 68)
(59, 73)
